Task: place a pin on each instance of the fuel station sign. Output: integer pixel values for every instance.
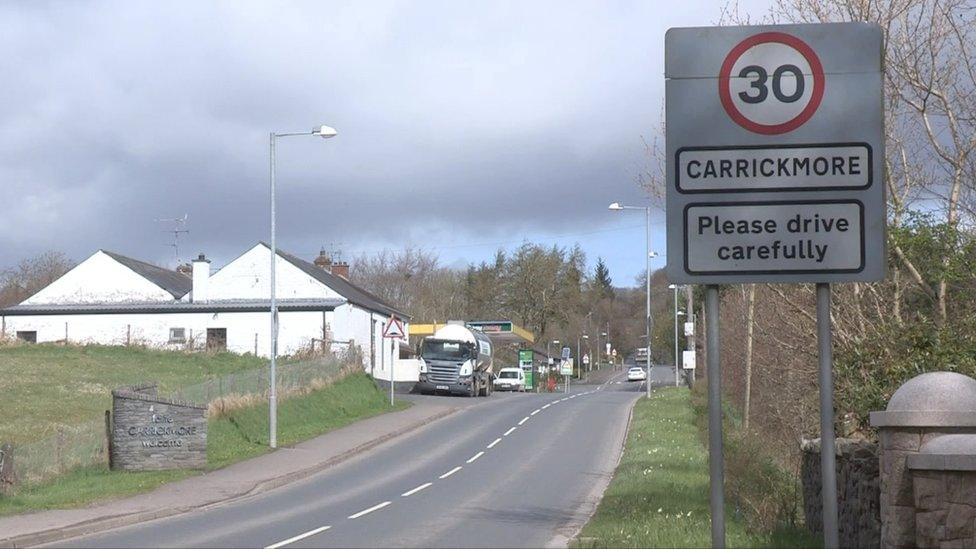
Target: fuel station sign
(774, 148)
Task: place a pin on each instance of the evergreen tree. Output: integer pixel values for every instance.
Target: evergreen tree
(602, 280)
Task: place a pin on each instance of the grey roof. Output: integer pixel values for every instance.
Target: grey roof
(222, 306)
(173, 282)
(346, 289)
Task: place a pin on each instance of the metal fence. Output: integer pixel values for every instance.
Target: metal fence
(86, 444)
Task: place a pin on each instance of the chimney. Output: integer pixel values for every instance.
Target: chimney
(201, 279)
(341, 268)
(185, 269)
(323, 261)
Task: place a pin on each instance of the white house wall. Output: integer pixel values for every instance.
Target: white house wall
(248, 277)
(355, 323)
(296, 331)
(100, 279)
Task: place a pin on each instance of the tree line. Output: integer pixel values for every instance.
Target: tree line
(549, 290)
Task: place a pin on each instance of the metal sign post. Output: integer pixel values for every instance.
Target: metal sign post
(716, 461)
(393, 330)
(775, 149)
(828, 470)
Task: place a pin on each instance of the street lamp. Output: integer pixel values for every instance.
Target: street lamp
(324, 132)
(675, 288)
(579, 355)
(616, 206)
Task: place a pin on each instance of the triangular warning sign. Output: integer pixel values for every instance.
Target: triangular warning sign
(393, 328)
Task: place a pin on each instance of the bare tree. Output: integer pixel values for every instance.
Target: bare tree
(31, 275)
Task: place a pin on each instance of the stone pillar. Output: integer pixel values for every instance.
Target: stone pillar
(927, 406)
(944, 485)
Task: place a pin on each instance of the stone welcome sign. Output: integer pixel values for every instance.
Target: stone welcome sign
(151, 433)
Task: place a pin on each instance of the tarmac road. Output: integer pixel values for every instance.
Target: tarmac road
(512, 470)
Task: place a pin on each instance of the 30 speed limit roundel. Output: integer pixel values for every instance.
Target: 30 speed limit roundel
(771, 83)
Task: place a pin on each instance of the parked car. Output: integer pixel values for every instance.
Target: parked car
(636, 373)
(510, 379)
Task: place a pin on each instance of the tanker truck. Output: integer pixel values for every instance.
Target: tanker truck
(456, 360)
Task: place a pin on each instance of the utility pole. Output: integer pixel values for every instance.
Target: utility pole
(690, 316)
(750, 322)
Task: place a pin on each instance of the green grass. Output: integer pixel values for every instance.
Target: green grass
(244, 433)
(238, 436)
(659, 494)
(46, 386)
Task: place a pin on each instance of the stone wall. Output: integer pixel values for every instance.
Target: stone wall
(945, 508)
(151, 433)
(858, 491)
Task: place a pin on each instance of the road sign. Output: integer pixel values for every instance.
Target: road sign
(525, 362)
(775, 145)
(689, 328)
(394, 329)
(566, 367)
(566, 353)
(586, 359)
(688, 360)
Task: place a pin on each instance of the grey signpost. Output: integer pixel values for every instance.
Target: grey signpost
(775, 146)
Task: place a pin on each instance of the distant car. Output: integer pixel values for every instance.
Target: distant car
(636, 374)
(510, 379)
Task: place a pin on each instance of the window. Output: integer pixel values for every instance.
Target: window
(29, 337)
(216, 339)
(177, 335)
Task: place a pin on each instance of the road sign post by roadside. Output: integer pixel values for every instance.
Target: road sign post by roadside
(393, 330)
(775, 146)
(525, 362)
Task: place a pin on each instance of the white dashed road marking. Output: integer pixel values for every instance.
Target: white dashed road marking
(415, 490)
(492, 445)
(476, 456)
(370, 510)
(535, 412)
(451, 472)
(524, 419)
(508, 432)
(299, 537)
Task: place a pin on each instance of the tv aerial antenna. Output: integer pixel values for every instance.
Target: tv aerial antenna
(179, 227)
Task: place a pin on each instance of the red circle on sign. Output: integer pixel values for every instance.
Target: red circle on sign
(726, 72)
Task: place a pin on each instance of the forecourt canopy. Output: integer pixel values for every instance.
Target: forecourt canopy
(774, 148)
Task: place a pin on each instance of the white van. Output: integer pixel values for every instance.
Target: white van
(510, 379)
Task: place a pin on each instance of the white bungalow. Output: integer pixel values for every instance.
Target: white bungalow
(112, 299)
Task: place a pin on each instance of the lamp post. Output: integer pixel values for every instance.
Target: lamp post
(606, 338)
(675, 288)
(579, 355)
(616, 206)
(324, 132)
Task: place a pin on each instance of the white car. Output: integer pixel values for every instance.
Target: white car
(636, 373)
(510, 379)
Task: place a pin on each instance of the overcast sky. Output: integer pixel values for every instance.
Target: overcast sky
(463, 126)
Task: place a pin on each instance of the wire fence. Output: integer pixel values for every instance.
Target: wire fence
(86, 444)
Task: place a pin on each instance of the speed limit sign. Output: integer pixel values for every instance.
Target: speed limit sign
(774, 154)
(771, 83)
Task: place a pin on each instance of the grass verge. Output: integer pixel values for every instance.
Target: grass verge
(239, 435)
(659, 493)
(43, 387)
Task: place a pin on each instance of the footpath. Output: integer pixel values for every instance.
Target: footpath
(242, 479)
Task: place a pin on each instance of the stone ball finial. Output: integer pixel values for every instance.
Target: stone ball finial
(935, 392)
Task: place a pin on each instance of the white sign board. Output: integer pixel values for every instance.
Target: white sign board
(688, 360)
(775, 145)
(586, 359)
(689, 328)
(566, 367)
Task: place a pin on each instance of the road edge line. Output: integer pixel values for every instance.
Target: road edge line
(592, 501)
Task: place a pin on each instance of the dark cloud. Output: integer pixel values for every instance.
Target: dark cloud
(461, 120)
